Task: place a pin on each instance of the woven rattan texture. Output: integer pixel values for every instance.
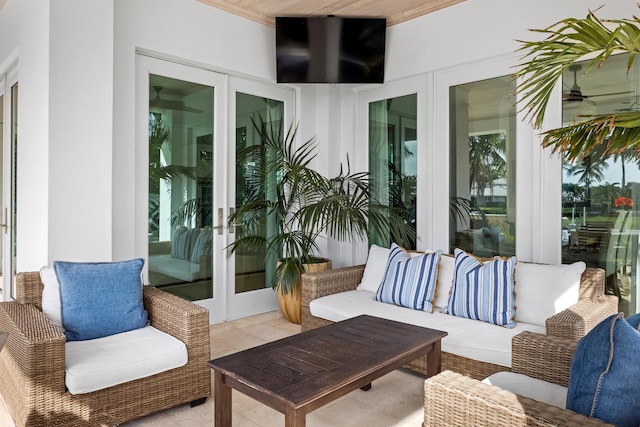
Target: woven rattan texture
(32, 364)
(454, 400)
(573, 323)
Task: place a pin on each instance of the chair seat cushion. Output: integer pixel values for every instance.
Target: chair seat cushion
(533, 388)
(104, 362)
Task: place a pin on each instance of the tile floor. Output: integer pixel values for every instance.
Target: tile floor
(394, 400)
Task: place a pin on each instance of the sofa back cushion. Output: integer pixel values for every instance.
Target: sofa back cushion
(409, 281)
(100, 299)
(445, 280)
(483, 290)
(543, 290)
(51, 307)
(604, 379)
(374, 269)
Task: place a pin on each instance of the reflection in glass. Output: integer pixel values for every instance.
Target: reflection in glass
(600, 195)
(180, 187)
(252, 270)
(393, 158)
(482, 182)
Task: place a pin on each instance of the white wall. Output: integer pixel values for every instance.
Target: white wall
(24, 29)
(80, 133)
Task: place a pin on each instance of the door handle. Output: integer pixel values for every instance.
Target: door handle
(220, 225)
(233, 226)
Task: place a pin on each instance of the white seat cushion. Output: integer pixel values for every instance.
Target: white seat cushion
(104, 362)
(533, 388)
(467, 338)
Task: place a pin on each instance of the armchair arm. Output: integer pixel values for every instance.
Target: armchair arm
(545, 357)
(454, 400)
(181, 319)
(574, 322)
(327, 282)
(34, 353)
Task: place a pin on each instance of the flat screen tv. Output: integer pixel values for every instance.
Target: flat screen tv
(330, 49)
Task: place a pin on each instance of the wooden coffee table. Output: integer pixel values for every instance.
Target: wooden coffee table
(301, 373)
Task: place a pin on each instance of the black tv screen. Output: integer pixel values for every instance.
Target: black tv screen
(330, 49)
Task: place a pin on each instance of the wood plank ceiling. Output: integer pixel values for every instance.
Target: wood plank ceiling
(265, 11)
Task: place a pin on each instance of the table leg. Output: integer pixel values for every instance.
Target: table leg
(222, 401)
(293, 418)
(434, 360)
(366, 387)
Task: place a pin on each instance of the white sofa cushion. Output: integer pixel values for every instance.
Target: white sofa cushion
(51, 306)
(374, 269)
(533, 388)
(467, 338)
(104, 362)
(543, 290)
(445, 280)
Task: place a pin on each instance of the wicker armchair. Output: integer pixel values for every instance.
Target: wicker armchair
(32, 364)
(454, 400)
(573, 323)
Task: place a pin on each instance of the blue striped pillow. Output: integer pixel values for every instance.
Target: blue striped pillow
(409, 281)
(483, 290)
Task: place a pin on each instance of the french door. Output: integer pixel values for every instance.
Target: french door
(8, 157)
(192, 124)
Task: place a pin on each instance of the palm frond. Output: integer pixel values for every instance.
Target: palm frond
(566, 42)
(304, 203)
(609, 134)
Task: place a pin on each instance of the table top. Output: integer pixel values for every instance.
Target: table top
(303, 368)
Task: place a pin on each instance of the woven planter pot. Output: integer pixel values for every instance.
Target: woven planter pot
(291, 303)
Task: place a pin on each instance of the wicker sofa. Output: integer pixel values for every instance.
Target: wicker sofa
(455, 400)
(32, 364)
(573, 323)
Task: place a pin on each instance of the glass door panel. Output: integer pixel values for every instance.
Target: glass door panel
(600, 195)
(249, 292)
(9, 187)
(181, 187)
(252, 270)
(482, 172)
(393, 158)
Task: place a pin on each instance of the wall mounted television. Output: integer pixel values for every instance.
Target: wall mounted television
(330, 49)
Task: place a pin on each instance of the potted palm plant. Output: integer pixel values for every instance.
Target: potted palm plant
(567, 42)
(298, 205)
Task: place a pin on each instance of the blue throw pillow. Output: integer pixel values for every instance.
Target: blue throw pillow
(409, 281)
(604, 382)
(100, 299)
(482, 290)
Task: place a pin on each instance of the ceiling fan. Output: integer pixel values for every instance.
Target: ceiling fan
(168, 104)
(575, 93)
